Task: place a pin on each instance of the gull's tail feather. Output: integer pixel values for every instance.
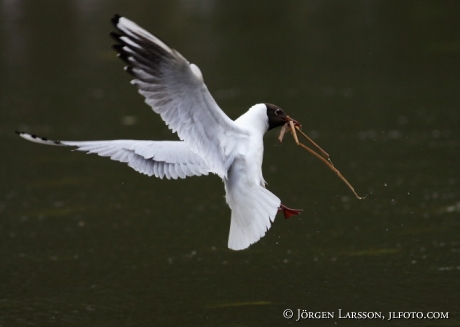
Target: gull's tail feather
(253, 210)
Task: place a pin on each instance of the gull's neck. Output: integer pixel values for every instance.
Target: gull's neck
(255, 119)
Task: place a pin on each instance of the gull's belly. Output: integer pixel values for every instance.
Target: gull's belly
(254, 157)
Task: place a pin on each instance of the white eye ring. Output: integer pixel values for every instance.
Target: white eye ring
(277, 112)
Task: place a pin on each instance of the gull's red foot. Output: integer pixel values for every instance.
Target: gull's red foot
(288, 212)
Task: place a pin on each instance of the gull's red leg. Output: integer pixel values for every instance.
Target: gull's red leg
(288, 212)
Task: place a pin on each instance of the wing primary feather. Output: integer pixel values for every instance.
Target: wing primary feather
(170, 159)
(174, 88)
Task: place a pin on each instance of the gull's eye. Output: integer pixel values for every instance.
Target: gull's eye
(278, 112)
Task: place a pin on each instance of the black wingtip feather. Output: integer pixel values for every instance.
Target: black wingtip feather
(115, 19)
(117, 47)
(115, 36)
(121, 53)
(125, 57)
(139, 51)
(130, 71)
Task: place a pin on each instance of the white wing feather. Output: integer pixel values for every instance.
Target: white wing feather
(174, 88)
(170, 159)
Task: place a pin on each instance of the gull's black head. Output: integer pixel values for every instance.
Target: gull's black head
(277, 117)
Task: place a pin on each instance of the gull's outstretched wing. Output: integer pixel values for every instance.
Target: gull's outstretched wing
(170, 159)
(174, 88)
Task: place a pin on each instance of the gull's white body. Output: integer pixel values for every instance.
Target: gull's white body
(253, 206)
(210, 142)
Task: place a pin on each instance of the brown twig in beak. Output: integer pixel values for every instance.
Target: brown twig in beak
(323, 153)
(323, 156)
(282, 132)
(294, 134)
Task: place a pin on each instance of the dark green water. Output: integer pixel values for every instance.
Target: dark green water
(89, 242)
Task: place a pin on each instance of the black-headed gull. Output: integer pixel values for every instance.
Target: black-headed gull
(210, 141)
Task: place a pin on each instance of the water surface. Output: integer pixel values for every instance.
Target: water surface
(86, 241)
